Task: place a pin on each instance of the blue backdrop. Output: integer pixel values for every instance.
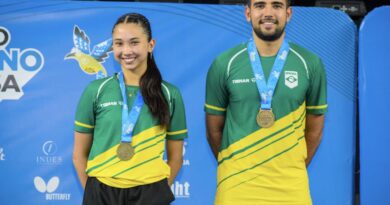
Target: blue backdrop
(40, 90)
(374, 100)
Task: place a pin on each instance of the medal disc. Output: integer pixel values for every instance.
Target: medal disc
(265, 118)
(125, 151)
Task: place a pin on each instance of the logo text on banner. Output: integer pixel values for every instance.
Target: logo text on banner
(181, 190)
(186, 162)
(17, 67)
(49, 188)
(49, 149)
(2, 155)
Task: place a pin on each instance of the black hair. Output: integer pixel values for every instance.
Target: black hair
(150, 82)
(248, 2)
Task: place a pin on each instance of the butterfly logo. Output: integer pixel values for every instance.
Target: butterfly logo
(50, 187)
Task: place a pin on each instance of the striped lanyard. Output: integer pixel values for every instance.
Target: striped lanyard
(129, 119)
(266, 89)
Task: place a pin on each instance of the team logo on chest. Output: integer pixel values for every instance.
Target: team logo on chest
(291, 79)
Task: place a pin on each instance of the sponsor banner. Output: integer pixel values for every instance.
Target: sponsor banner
(50, 51)
(374, 100)
(49, 189)
(17, 67)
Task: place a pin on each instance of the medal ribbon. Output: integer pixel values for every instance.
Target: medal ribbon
(266, 90)
(129, 119)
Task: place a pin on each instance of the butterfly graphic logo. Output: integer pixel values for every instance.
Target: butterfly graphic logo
(50, 187)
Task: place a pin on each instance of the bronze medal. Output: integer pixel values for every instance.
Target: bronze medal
(265, 118)
(125, 151)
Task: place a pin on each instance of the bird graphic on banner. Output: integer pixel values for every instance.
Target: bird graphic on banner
(89, 61)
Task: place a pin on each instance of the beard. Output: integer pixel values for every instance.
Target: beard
(269, 37)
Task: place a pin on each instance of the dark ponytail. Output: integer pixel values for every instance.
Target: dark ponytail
(150, 83)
